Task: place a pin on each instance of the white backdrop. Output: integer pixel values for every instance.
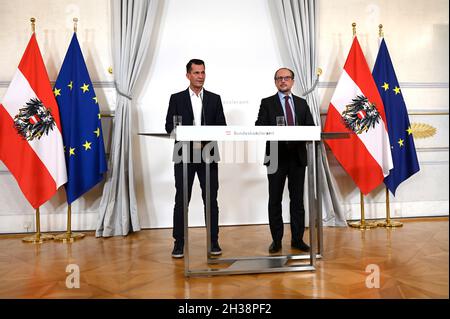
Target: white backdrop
(239, 43)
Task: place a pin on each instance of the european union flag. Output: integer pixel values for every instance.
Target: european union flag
(404, 154)
(81, 125)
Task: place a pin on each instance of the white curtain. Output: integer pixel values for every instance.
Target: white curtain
(132, 25)
(299, 27)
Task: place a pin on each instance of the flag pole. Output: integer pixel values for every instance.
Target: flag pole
(388, 222)
(33, 25)
(38, 238)
(380, 31)
(69, 236)
(363, 224)
(75, 21)
(380, 35)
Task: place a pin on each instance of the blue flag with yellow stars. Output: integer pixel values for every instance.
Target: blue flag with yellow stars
(403, 151)
(81, 124)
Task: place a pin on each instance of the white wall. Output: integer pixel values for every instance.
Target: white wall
(239, 43)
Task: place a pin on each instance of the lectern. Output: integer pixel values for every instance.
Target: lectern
(257, 264)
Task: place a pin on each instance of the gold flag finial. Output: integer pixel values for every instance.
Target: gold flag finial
(75, 21)
(354, 28)
(380, 31)
(33, 26)
(319, 72)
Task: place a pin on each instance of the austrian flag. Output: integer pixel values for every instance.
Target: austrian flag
(356, 107)
(31, 144)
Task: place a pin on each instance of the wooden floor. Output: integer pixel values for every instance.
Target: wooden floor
(413, 262)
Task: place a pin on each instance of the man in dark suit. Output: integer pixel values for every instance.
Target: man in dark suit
(196, 106)
(291, 158)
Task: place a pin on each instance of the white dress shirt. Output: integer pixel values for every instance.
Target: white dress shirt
(197, 104)
(196, 101)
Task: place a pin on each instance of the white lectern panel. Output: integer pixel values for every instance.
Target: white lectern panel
(248, 133)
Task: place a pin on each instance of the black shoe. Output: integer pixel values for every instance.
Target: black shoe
(274, 247)
(300, 245)
(177, 251)
(215, 248)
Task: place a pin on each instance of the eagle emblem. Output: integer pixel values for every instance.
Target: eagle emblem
(34, 120)
(360, 115)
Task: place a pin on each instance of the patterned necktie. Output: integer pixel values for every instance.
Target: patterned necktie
(287, 106)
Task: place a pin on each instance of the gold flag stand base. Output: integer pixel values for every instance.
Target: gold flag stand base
(37, 238)
(69, 237)
(363, 225)
(390, 223)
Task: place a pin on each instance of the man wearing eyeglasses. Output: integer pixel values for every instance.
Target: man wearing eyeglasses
(284, 108)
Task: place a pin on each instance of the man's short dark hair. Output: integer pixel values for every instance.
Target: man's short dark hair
(193, 61)
(292, 73)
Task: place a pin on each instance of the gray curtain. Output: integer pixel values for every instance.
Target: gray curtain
(132, 24)
(298, 19)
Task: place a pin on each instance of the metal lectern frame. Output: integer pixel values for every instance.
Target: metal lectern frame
(261, 264)
(256, 264)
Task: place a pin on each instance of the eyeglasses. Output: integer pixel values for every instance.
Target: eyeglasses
(285, 78)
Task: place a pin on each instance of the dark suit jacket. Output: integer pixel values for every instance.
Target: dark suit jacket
(212, 114)
(271, 108)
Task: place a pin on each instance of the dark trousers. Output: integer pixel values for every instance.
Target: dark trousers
(295, 174)
(178, 215)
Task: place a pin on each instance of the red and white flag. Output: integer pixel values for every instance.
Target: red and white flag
(356, 107)
(31, 143)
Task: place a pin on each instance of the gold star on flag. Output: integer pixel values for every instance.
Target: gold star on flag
(70, 85)
(409, 130)
(385, 86)
(99, 116)
(85, 87)
(87, 146)
(57, 92)
(71, 151)
(396, 90)
(400, 142)
(95, 99)
(97, 132)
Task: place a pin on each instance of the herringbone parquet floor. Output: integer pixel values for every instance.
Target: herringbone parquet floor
(413, 262)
